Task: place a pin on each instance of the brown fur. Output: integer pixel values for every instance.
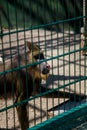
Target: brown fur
(14, 83)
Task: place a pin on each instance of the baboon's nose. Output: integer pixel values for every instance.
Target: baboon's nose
(48, 66)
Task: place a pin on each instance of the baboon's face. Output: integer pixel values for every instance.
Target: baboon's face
(43, 67)
(36, 55)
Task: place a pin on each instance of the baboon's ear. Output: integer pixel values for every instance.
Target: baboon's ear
(31, 46)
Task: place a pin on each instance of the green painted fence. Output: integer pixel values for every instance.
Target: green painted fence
(54, 25)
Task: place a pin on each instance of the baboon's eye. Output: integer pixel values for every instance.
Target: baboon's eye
(39, 57)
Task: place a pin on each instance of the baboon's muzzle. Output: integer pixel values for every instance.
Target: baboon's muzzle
(45, 68)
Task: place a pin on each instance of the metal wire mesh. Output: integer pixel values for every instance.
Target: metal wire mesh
(54, 26)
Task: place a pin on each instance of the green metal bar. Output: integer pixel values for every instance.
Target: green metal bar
(39, 62)
(57, 8)
(65, 120)
(63, 54)
(74, 49)
(45, 93)
(68, 2)
(44, 25)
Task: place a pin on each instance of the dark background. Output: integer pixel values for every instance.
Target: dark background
(28, 13)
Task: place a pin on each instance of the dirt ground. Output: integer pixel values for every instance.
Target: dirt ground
(70, 68)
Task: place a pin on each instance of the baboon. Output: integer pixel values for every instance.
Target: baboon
(23, 82)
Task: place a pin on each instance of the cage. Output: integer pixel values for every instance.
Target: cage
(43, 68)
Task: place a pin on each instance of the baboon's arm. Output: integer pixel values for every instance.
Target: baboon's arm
(22, 116)
(21, 94)
(21, 109)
